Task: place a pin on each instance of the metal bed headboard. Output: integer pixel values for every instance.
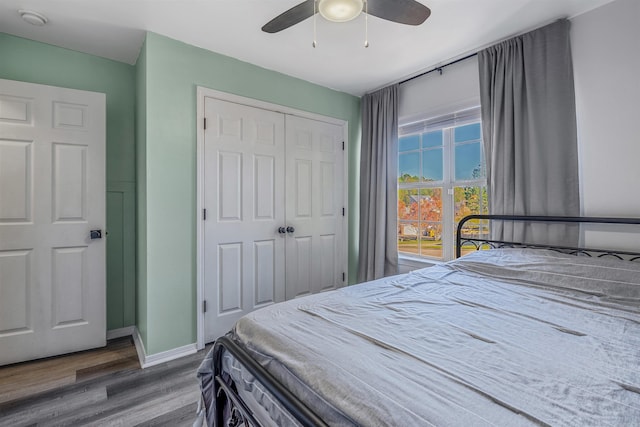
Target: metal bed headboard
(600, 253)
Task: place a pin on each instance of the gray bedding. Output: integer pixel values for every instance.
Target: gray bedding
(504, 337)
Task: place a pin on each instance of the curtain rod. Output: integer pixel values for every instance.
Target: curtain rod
(439, 69)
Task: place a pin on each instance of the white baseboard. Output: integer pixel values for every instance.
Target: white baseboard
(164, 356)
(137, 341)
(121, 332)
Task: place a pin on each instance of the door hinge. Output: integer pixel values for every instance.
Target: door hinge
(342, 211)
(342, 145)
(205, 123)
(204, 306)
(204, 214)
(343, 276)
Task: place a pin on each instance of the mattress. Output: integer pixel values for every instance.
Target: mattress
(504, 337)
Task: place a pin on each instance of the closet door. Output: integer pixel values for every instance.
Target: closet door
(314, 206)
(244, 200)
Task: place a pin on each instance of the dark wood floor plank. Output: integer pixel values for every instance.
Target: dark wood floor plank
(126, 402)
(46, 410)
(150, 408)
(152, 377)
(28, 389)
(127, 364)
(51, 395)
(29, 378)
(108, 389)
(180, 417)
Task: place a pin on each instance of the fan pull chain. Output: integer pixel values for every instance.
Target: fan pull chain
(314, 23)
(366, 23)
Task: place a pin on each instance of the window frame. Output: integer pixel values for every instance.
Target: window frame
(446, 123)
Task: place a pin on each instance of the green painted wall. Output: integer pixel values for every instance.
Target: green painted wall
(141, 180)
(34, 62)
(173, 70)
(151, 169)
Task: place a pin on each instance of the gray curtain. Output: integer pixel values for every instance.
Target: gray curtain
(378, 251)
(529, 132)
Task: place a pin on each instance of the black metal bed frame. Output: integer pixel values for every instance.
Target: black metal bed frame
(242, 415)
(600, 253)
(288, 400)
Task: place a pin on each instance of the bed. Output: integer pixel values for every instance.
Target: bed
(515, 335)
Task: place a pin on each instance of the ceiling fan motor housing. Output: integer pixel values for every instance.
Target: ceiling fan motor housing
(340, 10)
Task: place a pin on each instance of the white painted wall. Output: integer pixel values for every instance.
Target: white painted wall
(433, 94)
(605, 45)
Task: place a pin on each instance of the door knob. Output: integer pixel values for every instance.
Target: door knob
(95, 234)
(281, 230)
(290, 229)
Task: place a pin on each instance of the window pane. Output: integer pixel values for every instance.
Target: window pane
(474, 229)
(408, 237)
(467, 133)
(409, 167)
(408, 204)
(432, 165)
(468, 162)
(407, 143)
(431, 204)
(431, 239)
(408, 225)
(432, 139)
(469, 201)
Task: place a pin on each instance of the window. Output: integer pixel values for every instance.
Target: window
(441, 179)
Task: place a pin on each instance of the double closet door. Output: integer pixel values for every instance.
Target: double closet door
(274, 226)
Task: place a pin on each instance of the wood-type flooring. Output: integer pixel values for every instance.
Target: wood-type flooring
(102, 387)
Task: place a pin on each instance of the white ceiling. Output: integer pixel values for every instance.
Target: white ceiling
(115, 29)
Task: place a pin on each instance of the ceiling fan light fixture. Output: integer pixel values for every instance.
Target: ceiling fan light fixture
(340, 10)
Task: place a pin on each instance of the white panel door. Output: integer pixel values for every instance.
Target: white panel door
(315, 203)
(52, 193)
(244, 201)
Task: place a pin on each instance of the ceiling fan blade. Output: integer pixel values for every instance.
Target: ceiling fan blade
(291, 17)
(408, 12)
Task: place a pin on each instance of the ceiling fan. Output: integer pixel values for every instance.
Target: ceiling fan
(408, 12)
